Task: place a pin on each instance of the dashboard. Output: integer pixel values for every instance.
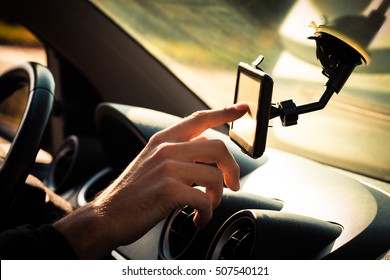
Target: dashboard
(288, 207)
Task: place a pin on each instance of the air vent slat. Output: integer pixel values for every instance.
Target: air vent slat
(235, 240)
(239, 244)
(181, 232)
(62, 164)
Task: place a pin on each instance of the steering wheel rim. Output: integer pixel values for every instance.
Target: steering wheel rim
(25, 145)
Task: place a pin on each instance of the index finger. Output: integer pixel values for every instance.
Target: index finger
(198, 122)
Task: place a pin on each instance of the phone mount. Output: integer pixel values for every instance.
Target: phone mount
(341, 46)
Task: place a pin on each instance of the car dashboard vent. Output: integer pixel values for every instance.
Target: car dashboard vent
(267, 234)
(180, 233)
(62, 165)
(235, 242)
(239, 245)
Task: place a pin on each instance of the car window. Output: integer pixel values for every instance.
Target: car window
(17, 45)
(202, 42)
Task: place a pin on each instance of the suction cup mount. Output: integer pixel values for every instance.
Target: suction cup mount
(341, 46)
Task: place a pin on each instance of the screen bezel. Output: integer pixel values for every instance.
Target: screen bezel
(263, 97)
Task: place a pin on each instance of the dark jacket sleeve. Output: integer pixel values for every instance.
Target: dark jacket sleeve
(26, 242)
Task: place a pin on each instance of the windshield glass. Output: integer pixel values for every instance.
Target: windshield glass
(202, 42)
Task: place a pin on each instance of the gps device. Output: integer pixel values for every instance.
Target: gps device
(253, 86)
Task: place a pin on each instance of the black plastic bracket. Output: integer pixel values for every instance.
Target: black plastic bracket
(290, 113)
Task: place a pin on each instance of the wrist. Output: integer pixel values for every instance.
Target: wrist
(86, 229)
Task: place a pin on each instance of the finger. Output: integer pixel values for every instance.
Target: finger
(200, 121)
(199, 201)
(207, 176)
(181, 195)
(208, 151)
(200, 138)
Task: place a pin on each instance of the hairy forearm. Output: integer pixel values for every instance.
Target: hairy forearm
(87, 231)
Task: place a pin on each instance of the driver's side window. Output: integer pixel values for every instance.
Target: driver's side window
(18, 44)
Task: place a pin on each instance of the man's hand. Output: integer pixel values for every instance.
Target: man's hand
(157, 181)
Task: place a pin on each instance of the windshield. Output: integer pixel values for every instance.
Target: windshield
(202, 42)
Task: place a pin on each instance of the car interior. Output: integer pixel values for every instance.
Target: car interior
(117, 72)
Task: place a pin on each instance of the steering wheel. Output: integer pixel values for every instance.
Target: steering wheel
(25, 145)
